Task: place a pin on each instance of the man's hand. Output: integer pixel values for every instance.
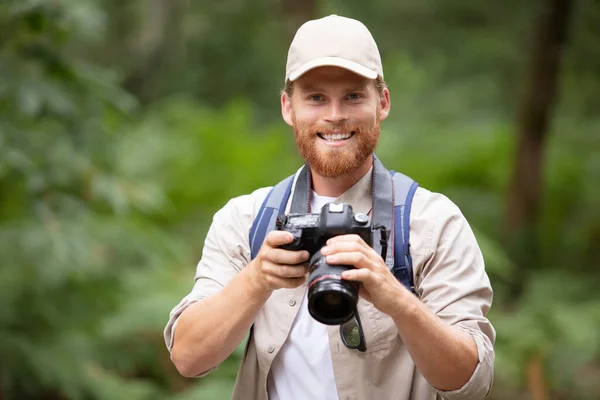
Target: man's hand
(451, 365)
(275, 268)
(199, 346)
(379, 286)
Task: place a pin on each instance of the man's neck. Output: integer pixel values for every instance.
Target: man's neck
(335, 187)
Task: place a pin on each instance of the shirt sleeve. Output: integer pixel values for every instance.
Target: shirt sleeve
(226, 251)
(452, 282)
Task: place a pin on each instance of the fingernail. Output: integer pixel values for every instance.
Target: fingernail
(325, 250)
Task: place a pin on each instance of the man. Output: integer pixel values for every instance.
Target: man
(437, 344)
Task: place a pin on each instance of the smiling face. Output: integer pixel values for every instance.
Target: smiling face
(335, 115)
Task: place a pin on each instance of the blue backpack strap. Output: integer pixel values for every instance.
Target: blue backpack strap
(404, 191)
(271, 207)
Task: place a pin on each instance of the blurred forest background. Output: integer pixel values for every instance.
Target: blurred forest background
(125, 125)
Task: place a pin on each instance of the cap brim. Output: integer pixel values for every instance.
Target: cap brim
(333, 62)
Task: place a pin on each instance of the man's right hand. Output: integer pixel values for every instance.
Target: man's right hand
(275, 268)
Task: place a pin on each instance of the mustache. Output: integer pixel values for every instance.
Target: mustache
(344, 127)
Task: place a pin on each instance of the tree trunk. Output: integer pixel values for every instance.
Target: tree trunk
(156, 44)
(525, 191)
(535, 109)
(298, 12)
(536, 383)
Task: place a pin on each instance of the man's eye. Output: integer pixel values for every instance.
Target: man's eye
(315, 97)
(354, 96)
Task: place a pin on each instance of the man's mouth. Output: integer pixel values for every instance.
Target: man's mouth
(334, 137)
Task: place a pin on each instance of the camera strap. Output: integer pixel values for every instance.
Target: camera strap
(383, 208)
(302, 192)
(391, 196)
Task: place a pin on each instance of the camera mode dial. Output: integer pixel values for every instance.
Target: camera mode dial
(361, 218)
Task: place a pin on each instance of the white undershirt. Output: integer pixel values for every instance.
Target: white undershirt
(302, 369)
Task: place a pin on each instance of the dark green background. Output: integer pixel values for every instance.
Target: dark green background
(125, 125)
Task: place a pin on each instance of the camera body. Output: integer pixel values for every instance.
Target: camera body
(331, 300)
(312, 231)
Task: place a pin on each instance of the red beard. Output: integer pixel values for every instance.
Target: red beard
(335, 162)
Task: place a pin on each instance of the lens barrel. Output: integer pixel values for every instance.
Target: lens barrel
(331, 300)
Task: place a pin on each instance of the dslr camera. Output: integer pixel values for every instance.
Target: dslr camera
(331, 300)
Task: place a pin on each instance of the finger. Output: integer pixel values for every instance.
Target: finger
(285, 257)
(363, 275)
(355, 258)
(284, 271)
(278, 238)
(347, 238)
(347, 246)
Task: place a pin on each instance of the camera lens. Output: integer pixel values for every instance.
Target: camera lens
(331, 300)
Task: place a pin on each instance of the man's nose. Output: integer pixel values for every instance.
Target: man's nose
(336, 113)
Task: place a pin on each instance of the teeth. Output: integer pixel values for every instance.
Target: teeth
(337, 136)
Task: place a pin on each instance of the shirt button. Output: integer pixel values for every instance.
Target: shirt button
(271, 349)
(292, 303)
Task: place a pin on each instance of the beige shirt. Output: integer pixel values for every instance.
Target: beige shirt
(450, 280)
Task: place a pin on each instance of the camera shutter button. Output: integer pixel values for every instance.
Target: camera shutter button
(361, 218)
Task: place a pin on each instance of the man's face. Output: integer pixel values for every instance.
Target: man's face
(335, 115)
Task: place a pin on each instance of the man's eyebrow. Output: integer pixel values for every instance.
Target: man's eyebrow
(311, 88)
(360, 87)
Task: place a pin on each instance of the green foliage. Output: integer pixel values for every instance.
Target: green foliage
(65, 238)
(124, 130)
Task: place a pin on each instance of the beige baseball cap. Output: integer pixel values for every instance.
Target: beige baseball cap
(333, 41)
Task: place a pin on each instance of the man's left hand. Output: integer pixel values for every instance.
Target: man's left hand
(379, 286)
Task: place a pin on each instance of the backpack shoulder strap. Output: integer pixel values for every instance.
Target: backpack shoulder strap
(404, 191)
(271, 207)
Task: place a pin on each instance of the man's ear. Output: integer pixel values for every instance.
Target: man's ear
(384, 104)
(286, 109)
